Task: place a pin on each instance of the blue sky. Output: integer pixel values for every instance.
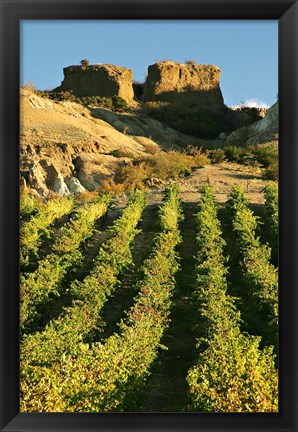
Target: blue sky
(245, 51)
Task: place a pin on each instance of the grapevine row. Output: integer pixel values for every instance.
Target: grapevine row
(271, 204)
(64, 335)
(36, 229)
(259, 274)
(29, 205)
(46, 280)
(232, 374)
(102, 377)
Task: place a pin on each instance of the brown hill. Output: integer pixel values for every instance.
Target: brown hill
(67, 148)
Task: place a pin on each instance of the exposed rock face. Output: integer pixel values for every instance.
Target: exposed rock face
(264, 130)
(197, 84)
(59, 186)
(238, 118)
(104, 80)
(75, 186)
(36, 179)
(45, 177)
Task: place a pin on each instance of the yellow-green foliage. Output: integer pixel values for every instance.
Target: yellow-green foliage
(271, 196)
(29, 205)
(45, 281)
(63, 335)
(36, 229)
(261, 275)
(232, 373)
(104, 376)
(81, 227)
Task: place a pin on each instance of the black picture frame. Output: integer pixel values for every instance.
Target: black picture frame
(286, 12)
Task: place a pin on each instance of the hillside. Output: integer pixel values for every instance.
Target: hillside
(68, 148)
(65, 146)
(169, 128)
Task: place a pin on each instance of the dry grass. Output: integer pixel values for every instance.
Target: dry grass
(159, 167)
(87, 196)
(110, 186)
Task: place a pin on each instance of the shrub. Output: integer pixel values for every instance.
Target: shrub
(191, 62)
(116, 153)
(271, 173)
(107, 103)
(110, 186)
(133, 175)
(84, 63)
(171, 165)
(86, 197)
(118, 103)
(162, 165)
(63, 96)
(29, 204)
(234, 153)
(42, 93)
(216, 156)
(200, 158)
(266, 155)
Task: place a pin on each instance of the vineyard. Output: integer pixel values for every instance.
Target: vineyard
(169, 307)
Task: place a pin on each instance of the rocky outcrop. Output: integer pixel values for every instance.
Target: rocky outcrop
(75, 186)
(262, 131)
(104, 80)
(175, 82)
(236, 118)
(36, 179)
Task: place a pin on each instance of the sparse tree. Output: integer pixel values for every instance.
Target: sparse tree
(190, 62)
(84, 63)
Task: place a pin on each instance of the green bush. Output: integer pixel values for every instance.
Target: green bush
(84, 63)
(266, 155)
(89, 295)
(115, 103)
(119, 103)
(116, 153)
(257, 271)
(234, 153)
(271, 173)
(216, 156)
(271, 203)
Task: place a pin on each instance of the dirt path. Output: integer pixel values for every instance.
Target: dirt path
(222, 177)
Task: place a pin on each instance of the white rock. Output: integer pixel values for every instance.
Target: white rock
(75, 186)
(59, 186)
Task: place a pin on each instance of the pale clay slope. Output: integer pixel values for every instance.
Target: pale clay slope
(61, 141)
(65, 148)
(262, 131)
